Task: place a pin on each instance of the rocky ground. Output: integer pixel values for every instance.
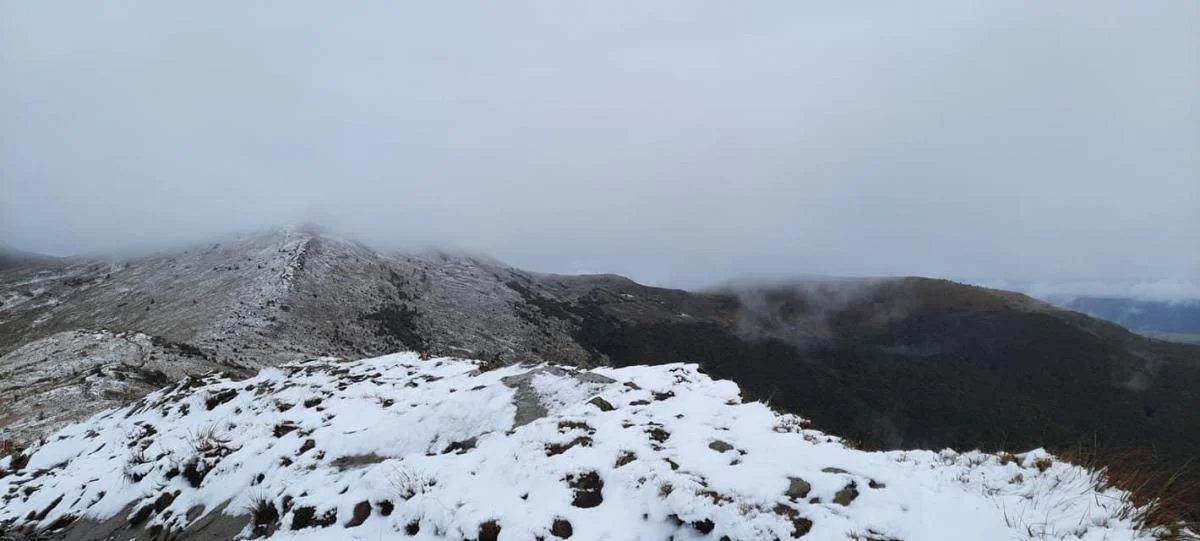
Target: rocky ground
(400, 447)
(70, 375)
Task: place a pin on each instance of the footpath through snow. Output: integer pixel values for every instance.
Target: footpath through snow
(397, 447)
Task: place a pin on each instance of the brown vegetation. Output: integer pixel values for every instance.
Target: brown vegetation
(1158, 496)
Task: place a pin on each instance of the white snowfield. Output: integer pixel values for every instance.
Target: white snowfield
(397, 447)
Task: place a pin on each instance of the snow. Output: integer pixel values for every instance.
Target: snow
(68, 376)
(329, 434)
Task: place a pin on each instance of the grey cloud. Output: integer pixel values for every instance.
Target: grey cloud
(681, 143)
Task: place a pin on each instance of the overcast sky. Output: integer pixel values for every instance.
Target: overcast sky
(681, 143)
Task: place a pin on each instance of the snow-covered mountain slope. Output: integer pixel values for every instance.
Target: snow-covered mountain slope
(397, 447)
(71, 330)
(69, 376)
(263, 299)
(893, 363)
(221, 297)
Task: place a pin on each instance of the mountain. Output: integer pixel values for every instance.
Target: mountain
(12, 257)
(401, 446)
(1159, 318)
(891, 363)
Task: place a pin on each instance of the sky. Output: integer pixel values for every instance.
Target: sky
(682, 143)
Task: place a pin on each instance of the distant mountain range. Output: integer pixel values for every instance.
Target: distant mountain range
(892, 363)
(1166, 319)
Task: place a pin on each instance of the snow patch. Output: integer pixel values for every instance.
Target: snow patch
(397, 446)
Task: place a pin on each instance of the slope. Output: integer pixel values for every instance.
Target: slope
(892, 363)
(399, 447)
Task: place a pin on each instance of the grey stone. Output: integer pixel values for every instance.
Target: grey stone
(601, 403)
(720, 446)
(529, 406)
(797, 488)
(846, 495)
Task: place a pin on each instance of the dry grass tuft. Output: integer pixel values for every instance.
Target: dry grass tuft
(264, 516)
(1158, 498)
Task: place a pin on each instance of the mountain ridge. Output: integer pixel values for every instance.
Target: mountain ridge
(892, 363)
(12, 257)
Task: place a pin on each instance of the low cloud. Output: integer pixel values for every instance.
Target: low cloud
(681, 143)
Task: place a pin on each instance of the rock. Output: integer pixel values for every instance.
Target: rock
(307, 517)
(164, 500)
(194, 513)
(834, 470)
(588, 489)
(561, 529)
(362, 511)
(284, 428)
(797, 488)
(720, 446)
(800, 525)
(220, 397)
(529, 405)
(601, 403)
(554, 449)
(592, 377)
(489, 531)
(846, 495)
(350, 462)
(460, 447)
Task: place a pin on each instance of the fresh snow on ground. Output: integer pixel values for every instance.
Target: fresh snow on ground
(49, 383)
(398, 447)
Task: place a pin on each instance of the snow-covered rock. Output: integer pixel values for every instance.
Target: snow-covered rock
(398, 447)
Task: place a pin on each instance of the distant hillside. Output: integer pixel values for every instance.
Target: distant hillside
(11, 257)
(1182, 338)
(1174, 317)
